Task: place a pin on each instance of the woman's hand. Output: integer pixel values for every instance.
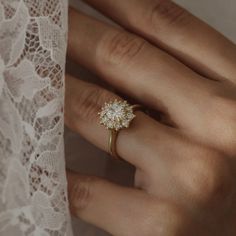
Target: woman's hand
(185, 162)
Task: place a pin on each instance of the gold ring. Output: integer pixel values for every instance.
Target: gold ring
(116, 115)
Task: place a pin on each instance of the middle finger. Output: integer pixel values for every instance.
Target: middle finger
(138, 68)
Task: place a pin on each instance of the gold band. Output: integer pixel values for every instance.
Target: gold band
(112, 143)
(113, 134)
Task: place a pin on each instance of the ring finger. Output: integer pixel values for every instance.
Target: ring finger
(83, 103)
(160, 152)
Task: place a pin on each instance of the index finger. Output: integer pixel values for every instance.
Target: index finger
(177, 31)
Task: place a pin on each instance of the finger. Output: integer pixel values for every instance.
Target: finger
(177, 31)
(144, 138)
(119, 210)
(159, 152)
(139, 69)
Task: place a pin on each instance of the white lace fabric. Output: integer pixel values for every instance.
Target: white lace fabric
(33, 196)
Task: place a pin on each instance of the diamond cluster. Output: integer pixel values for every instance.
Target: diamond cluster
(116, 115)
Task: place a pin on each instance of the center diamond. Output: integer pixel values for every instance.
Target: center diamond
(115, 111)
(116, 115)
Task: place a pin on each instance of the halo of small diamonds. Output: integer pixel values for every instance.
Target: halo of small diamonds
(116, 115)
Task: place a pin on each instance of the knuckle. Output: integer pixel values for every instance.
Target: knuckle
(229, 107)
(120, 48)
(224, 108)
(169, 12)
(90, 101)
(80, 195)
(223, 120)
(166, 219)
(210, 178)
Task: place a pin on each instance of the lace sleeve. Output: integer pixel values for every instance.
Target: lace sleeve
(33, 196)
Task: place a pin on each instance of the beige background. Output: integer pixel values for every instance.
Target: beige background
(85, 158)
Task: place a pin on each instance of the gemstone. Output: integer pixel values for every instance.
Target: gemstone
(116, 115)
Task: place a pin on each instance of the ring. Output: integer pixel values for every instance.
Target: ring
(116, 115)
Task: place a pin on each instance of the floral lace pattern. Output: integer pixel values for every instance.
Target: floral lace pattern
(33, 196)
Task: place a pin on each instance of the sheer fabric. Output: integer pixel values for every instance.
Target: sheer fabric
(33, 196)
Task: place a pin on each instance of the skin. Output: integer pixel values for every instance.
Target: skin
(173, 63)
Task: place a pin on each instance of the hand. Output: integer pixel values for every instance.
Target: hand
(185, 163)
